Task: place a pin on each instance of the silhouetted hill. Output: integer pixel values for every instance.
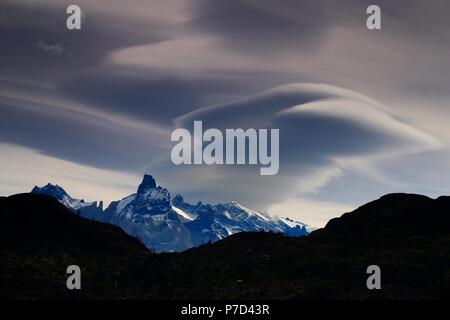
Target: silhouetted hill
(394, 214)
(39, 238)
(408, 236)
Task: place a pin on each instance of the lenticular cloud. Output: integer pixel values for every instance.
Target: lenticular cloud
(323, 130)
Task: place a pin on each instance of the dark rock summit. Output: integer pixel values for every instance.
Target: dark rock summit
(148, 182)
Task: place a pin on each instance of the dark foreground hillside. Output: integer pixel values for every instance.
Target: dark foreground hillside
(408, 236)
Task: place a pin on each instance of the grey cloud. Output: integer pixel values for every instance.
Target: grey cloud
(148, 96)
(30, 33)
(319, 126)
(400, 174)
(324, 120)
(253, 24)
(157, 100)
(301, 23)
(76, 136)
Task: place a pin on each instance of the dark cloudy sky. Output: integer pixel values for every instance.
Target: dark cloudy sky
(361, 113)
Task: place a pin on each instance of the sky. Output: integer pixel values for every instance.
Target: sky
(361, 112)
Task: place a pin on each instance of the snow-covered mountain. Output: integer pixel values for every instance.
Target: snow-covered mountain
(89, 209)
(214, 222)
(167, 224)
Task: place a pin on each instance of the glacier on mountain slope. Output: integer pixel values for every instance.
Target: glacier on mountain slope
(166, 224)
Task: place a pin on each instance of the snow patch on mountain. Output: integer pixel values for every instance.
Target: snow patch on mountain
(124, 202)
(184, 214)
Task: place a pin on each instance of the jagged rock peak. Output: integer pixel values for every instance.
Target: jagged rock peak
(148, 182)
(51, 190)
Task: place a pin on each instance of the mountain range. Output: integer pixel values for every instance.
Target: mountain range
(407, 236)
(166, 224)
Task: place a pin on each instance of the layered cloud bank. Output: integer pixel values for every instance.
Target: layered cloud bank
(324, 131)
(103, 101)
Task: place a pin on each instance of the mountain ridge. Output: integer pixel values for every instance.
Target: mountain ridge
(166, 224)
